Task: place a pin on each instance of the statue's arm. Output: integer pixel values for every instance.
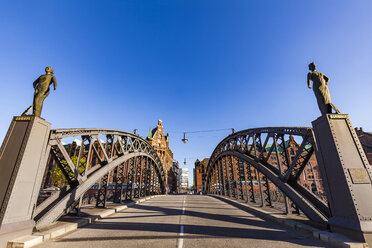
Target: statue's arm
(35, 83)
(326, 79)
(54, 82)
(308, 81)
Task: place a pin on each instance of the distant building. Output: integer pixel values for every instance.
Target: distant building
(173, 178)
(365, 139)
(199, 174)
(184, 178)
(160, 142)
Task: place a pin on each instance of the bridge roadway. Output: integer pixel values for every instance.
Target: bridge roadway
(184, 221)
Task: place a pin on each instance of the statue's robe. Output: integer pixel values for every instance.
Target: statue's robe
(320, 88)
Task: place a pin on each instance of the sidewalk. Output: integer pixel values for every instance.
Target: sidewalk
(66, 224)
(298, 223)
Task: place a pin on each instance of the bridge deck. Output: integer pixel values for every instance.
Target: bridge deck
(205, 222)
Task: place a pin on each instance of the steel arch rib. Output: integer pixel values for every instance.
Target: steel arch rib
(237, 145)
(46, 215)
(295, 196)
(59, 209)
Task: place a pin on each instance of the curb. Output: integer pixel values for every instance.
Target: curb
(333, 239)
(64, 227)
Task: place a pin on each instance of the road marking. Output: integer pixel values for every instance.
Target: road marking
(180, 240)
(183, 206)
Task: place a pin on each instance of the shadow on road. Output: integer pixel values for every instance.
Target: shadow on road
(265, 229)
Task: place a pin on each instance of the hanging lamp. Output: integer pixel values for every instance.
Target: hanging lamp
(184, 140)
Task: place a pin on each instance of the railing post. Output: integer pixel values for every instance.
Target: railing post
(259, 183)
(146, 177)
(228, 177)
(102, 191)
(251, 190)
(215, 180)
(219, 178)
(223, 186)
(126, 178)
(152, 179)
(241, 173)
(118, 183)
(234, 177)
(245, 168)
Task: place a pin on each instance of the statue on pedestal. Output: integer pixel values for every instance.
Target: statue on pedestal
(320, 87)
(41, 86)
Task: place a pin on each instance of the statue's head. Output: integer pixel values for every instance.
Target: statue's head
(312, 66)
(49, 69)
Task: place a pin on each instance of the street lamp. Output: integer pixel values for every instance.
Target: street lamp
(184, 140)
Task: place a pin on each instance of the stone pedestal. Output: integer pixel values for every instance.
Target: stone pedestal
(23, 156)
(346, 176)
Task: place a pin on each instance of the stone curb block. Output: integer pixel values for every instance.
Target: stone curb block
(25, 241)
(83, 221)
(325, 236)
(121, 208)
(66, 227)
(106, 213)
(59, 231)
(71, 227)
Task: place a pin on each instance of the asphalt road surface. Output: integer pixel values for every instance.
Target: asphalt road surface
(184, 221)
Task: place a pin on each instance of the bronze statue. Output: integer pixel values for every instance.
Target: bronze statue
(320, 87)
(41, 86)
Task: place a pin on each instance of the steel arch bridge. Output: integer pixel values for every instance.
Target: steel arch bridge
(125, 158)
(229, 170)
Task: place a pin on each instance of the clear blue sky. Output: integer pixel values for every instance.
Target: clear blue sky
(195, 64)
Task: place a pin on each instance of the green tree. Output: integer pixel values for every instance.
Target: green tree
(59, 178)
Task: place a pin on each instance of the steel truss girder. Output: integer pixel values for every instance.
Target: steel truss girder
(74, 194)
(292, 192)
(119, 147)
(247, 145)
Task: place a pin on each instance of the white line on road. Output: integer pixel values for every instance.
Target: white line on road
(180, 240)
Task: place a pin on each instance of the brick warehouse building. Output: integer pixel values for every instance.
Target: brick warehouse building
(366, 141)
(160, 142)
(199, 174)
